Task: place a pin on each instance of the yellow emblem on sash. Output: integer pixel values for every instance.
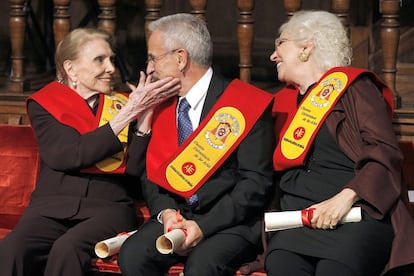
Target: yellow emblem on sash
(113, 103)
(311, 114)
(218, 136)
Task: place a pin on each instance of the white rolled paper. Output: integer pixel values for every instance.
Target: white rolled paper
(275, 221)
(168, 242)
(112, 245)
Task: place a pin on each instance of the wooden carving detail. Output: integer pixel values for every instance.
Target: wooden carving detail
(61, 20)
(153, 8)
(390, 37)
(107, 17)
(341, 9)
(291, 6)
(245, 37)
(198, 8)
(17, 25)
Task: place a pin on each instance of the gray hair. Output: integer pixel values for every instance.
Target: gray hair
(332, 47)
(186, 31)
(71, 44)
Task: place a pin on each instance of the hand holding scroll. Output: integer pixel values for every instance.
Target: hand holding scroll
(181, 237)
(275, 221)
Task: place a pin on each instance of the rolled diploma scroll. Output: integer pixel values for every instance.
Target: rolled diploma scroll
(275, 221)
(169, 241)
(112, 245)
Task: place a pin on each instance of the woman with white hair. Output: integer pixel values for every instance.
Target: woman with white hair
(336, 149)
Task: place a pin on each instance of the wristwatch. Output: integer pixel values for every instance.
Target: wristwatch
(139, 133)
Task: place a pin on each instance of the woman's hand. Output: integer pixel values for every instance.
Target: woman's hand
(143, 98)
(328, 213)
(148, 94)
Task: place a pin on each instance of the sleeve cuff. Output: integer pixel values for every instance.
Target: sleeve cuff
(159, 216)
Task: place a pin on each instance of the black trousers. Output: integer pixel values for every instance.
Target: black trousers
(41, 246)
(282, 262)
(220, 254)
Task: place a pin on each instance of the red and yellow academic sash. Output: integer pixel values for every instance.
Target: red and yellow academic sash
(59, 100)
(296, 127)
(183, 170)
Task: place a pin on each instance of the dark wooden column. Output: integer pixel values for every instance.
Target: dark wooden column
(17, 26)
(107, 22)
(198, 8)
(61, 20)
(390, 38)
(341, 9)
(245, 37)
(107, 16)
(291, 6)
(153, 8)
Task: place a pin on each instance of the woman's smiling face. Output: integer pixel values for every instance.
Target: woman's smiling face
(94, 68)
(285, 56)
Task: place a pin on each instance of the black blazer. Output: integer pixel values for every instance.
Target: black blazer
(232, 200)
(62, 190)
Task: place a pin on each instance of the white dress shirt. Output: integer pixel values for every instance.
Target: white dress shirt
(196, 98)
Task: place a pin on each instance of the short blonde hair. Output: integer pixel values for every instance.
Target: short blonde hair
(68, 48)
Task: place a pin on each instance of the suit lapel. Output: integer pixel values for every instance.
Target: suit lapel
(215, 90)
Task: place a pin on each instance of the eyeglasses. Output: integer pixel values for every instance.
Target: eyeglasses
(155, 59)
(279, 41)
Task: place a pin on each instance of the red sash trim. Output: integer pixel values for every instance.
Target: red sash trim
(59, 100)
(285, 109)
(163, 147)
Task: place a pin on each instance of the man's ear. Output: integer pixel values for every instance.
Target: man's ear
(182, 59)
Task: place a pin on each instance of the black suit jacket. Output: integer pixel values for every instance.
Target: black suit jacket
(232, 200)
(62, 191)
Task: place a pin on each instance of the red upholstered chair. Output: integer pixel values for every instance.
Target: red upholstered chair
(19, 163)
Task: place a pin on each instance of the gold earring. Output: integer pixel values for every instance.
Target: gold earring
(304, 57)
(75, 84)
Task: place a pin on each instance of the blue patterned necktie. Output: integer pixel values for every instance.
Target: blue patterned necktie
(184, 123)
(185, 128)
